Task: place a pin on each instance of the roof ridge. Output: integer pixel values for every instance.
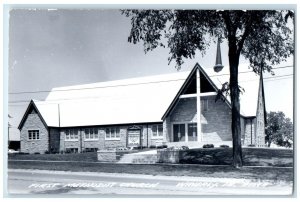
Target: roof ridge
(132, 80)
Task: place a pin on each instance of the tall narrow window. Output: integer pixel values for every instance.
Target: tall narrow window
(204, 105)
(192, 132)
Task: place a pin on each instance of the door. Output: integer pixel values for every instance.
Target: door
(192, 132)
(179, 132)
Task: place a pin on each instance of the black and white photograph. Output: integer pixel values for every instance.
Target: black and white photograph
(170, 101)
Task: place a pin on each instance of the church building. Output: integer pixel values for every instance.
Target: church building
(170, 109)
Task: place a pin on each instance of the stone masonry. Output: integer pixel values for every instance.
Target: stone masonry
(33, 122)
(215, 118)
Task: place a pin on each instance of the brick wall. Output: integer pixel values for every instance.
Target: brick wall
(33, 122)
(215, 118)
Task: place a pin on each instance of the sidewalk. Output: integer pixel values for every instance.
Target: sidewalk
(157, 177)
(22, 181)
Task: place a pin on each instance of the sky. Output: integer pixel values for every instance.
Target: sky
(53, 48)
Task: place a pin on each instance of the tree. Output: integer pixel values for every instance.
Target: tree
(261, 36)
(279, 129)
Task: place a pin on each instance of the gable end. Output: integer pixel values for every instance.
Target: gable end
(31, 109)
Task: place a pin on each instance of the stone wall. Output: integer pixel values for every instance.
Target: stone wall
(107, 155)
(168, 156)
(215, 118)
(33, 122)
(109, 144)
(101, 143)
(260, 121)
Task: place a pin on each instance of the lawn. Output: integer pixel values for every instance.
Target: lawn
(251, 156)
(263, 173)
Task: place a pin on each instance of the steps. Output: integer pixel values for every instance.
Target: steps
(139, 158)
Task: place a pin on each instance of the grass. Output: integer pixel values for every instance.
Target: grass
(263, 173)
(251, 156)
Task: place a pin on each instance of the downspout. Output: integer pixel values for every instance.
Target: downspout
(59, 130)
(251, 132)
(147, 136)
(80, 139)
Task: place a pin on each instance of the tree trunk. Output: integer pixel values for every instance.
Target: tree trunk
(235, 105)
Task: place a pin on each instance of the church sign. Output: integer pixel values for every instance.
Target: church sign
(134, 138)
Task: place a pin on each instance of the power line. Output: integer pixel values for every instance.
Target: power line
(121, 85)
(279, 76)
(17, 102)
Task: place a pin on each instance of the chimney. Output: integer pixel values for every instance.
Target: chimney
(218, 67)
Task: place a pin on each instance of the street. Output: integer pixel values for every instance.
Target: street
(21, 181)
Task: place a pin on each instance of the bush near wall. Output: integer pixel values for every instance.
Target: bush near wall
(251, 156)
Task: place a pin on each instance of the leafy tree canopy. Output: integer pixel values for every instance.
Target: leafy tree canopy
(261, 36)
(279, 129)
(264, 37)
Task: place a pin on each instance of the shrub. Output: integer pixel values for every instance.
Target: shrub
(165, 146)
(47, 152)
(224, 146)
(184, 147)
(159, 147)
(36, 152)
(122, 148)
(251, 145)
(68, 151)
(152, 147)
(208, 146)
(24, 153)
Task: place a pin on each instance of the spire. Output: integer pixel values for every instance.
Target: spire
(218, 67)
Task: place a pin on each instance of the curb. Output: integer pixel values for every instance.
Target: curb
(170, 164)
(159, 177)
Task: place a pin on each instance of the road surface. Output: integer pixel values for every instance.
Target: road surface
(64, 182)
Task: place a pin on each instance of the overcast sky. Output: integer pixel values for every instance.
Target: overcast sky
(55, 48)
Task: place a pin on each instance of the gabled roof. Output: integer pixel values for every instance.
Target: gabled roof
(185, 84)
(135, 100)
(31, 106)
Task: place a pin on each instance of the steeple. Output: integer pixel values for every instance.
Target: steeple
(218, 67)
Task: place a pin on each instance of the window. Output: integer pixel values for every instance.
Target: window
(91, 134)
(204, 105)
(33, 134)
(179, 132)
(112, 133)
(71, 134)
(192, 132)
(157, 131)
